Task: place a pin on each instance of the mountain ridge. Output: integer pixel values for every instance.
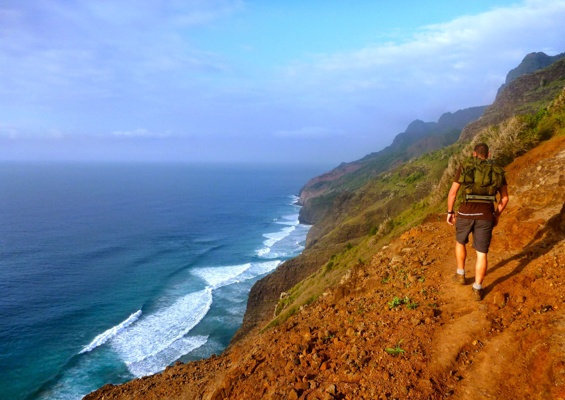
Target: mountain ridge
(531, 63)
(418, 138)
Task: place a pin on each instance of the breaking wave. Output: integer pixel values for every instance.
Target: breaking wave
(110, 333)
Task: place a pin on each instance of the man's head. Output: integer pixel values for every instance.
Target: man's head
(481, 151)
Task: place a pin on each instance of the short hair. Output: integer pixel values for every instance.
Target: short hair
(482, 150)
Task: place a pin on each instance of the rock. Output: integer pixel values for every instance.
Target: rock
(306, 335)
(331, 389)
(396, 260)
(499, 299)
(292, 395)
(289, 367)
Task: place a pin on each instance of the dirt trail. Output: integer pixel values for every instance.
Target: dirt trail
(513, 341)
(399, 328)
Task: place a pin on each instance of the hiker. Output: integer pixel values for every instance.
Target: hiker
(481, 180)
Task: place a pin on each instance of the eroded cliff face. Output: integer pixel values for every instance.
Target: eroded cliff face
(398, 327)
(525, 94)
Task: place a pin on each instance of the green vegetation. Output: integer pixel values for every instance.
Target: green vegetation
(397, 302)
(396, 350)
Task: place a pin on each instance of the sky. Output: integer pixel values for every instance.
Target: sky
(320, 81)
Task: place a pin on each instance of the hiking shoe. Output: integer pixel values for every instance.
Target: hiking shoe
(478, 293)
(458, 278)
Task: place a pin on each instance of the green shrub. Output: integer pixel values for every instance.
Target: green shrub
(395, 351)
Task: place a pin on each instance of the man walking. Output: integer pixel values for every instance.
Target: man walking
(481, 181)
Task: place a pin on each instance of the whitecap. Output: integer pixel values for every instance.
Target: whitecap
(110, 333)
(294, 200)
(145, 346)
(218, 277)
(272, 239)
(264, 251)
(291, 219)
(221, 276)
(156, 362)
(261, 268)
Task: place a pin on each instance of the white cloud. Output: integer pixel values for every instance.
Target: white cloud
(76, 51)
(467, 46)
(442, 67)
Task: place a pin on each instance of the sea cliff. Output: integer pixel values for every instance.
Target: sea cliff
(369, 310)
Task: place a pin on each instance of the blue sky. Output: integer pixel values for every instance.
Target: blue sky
(254, 81)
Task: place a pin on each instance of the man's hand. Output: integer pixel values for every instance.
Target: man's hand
(451, 219)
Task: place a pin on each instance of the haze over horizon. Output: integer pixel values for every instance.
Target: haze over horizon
(234, 80)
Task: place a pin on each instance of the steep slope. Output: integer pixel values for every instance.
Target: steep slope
(397, 327)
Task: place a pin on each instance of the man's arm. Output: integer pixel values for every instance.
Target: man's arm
(501, 204)
(451, 201)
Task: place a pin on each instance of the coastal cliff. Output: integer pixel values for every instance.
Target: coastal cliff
(397, 327)
(368, 310)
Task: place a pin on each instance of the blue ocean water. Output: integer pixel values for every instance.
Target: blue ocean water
(114, 271)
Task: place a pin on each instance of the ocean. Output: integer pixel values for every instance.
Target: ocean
(110, 272)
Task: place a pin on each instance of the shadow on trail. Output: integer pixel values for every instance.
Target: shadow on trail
(544, 240)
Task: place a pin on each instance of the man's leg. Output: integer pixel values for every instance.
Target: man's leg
(480, 272)
(460, 255)
(482, 236)
(462, 230)
(481, 267)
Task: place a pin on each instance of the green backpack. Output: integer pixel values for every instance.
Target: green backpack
(481, 179)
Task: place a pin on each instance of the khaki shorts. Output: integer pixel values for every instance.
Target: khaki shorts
(481, 229)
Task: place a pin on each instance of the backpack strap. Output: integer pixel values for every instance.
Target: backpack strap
(477, 198)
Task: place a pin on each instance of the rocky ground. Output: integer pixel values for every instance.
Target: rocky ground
(400, 328)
